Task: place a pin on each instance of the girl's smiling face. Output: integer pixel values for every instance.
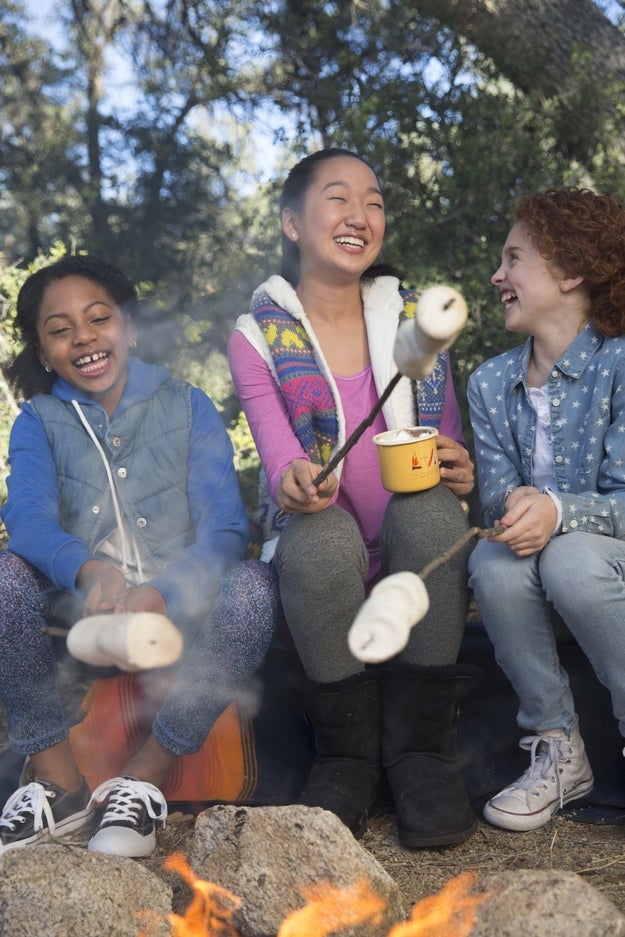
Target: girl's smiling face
(529, 286)
(538, 297)
(341, 226)
(84, 337)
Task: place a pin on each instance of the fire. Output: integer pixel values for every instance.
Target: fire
(450, 913)
(210, 910)
(329, 909)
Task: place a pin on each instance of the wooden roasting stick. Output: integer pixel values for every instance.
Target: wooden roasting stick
(440, 317)
(397, 603)
(479, 532)
(340, 454)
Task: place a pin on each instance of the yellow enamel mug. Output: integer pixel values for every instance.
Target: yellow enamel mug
(408, 458)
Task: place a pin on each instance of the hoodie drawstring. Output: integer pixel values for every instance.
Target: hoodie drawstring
(118, 514)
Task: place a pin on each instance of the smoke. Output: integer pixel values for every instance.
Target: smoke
(159, 333)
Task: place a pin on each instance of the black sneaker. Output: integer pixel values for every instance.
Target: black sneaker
(128, 825)
(41, 811)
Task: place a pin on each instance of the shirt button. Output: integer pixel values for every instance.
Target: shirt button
(142, 522)
(556, 402)
(116, 441)
(558, 459)
(95, 509)
(122, 472)
(573, 524)
(554, 373)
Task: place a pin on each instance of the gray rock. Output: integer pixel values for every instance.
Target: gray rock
(54, 890)
(265, 855)
(528, 903)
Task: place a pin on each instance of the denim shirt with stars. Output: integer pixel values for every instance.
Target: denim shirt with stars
(586, 390)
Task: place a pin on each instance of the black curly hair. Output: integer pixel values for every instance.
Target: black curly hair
(24, 371)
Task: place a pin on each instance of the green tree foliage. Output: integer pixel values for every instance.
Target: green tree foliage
(455, 143)
(12, 277)
(157, 134)
(38, 132)
(124, 146)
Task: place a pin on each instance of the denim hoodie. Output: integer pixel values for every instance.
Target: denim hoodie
(170, 475)
(586, 390)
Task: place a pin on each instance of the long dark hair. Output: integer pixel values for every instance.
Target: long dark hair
(24, 372)
(296, 184)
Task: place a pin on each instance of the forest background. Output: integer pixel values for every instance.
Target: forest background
(156, 133)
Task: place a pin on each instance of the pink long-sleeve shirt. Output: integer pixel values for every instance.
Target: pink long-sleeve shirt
(360, 490)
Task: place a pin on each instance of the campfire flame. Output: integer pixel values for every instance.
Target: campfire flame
(329, 909)
(450, 913)
(210, 910)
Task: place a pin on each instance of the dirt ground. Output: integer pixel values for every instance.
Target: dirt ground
(594, 851)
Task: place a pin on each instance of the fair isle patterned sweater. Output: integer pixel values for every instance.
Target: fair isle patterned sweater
(278, 329)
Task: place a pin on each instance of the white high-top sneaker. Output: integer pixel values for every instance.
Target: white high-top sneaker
(131, 641)
(559, 772)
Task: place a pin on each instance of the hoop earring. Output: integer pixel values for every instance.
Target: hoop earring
(48, 370)
(133, 343)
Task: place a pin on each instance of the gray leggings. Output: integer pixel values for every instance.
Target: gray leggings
(321, 562)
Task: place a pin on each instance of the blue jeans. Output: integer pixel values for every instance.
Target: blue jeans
(221, 656)
(582, 577)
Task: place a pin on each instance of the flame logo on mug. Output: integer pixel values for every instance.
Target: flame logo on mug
(417, 465)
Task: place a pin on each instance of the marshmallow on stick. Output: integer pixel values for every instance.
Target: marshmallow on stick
(441, 315)
(382, 626)
(130, 641)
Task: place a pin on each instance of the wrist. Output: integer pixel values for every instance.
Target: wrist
(558, 506)
(87, 574)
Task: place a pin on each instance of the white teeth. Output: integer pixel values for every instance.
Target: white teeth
(508, 297)
(89, 359)
(350, 241)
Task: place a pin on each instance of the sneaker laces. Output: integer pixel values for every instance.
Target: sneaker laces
(127, 796)
(33, 799)
(543, 763)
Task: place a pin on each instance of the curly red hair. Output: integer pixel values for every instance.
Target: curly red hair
(583, 234)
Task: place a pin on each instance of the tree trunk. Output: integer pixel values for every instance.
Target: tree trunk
(565, 49)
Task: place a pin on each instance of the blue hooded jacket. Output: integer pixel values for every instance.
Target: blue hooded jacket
(170, 476)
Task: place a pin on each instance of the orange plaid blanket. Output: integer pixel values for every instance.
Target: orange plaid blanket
(118, 713)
